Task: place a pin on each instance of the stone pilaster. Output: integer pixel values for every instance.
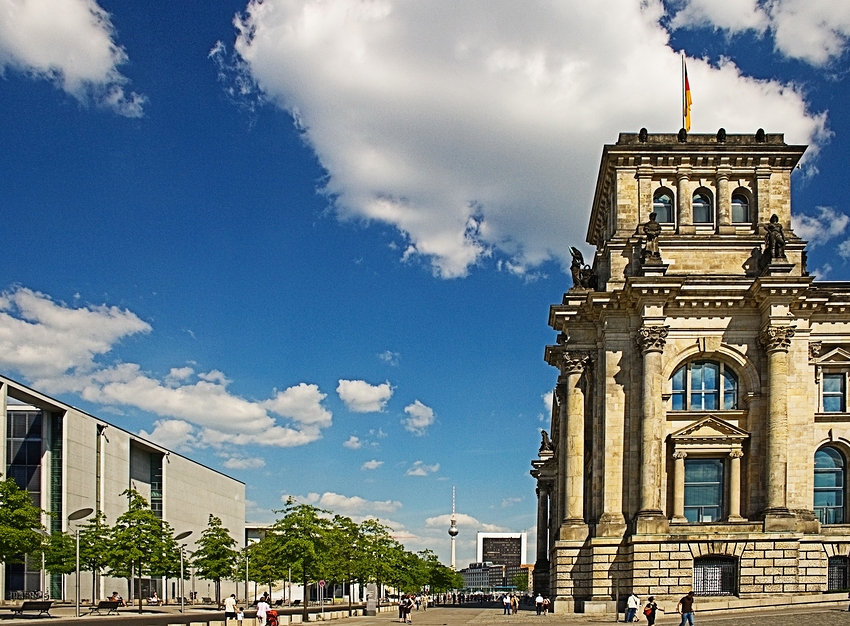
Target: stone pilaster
(572, 514)
(724, 202)
(679, 457)
(650, 519)
(684, 201)
(776, 340)
(735, 486)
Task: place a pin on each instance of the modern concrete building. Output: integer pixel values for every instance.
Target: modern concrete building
(505, 549)
(69, 460)
(700, 434)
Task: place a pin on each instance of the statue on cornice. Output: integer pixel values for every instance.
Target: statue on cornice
(774, 239)
(546, 444)
(583, 275)
(651, 254)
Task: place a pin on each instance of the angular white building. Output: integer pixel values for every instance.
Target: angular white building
(69, 460)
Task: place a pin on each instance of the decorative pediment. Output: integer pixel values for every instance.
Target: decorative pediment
(836, 356)
(709, 429)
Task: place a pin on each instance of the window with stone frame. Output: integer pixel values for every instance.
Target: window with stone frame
(740, 208)
(704, 386)
(704, 490)
(830, 485)
(662, 205)
(832, 370)
(703, 210)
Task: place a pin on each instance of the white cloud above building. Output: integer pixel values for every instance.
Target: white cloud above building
(362, 397)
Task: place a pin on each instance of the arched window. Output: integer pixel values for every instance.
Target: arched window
(829, 485)
(715, 576)
(740, 208)
(702, 208)
(662, 204)
(837, 578)
(705, 386)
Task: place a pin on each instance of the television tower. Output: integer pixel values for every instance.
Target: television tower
(453, 529)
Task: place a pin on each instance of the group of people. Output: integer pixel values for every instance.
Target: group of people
(231, 611)
(685, 608)
(407, 603)
(510, 603)
(542, 604)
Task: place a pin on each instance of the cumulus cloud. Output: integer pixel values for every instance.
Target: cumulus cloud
(70, 43)
(475, 136)
(467, 521)
(420, 418)
(814, 32)
(353, 443)
(59, 348)
(819, 229)
(389, 357)
(371, 465)
(244, 463)
(361, 397)
(346, 505)
(421, 469)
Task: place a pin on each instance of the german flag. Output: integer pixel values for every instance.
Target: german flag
(686, 97)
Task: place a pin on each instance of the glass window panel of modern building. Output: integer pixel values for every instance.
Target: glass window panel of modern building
(696, 387)
(703, 490)
(829, 486)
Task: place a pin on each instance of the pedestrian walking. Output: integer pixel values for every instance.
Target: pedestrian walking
(230, 608)
(506, 605)
(514, 605)
(686, 609)
(262, 610)
(650, 610)
(546, 605)
(538, 603)
(632, 605)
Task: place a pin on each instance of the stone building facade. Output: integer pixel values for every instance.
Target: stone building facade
(700, 433)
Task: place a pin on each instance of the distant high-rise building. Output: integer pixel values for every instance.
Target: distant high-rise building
(506, 549)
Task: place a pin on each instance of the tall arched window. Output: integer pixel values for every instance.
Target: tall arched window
(702, 208)
(740, 208)
(705, 386)
(662, 204)
(829, 485)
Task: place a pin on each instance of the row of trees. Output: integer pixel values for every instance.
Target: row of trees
(307, 541)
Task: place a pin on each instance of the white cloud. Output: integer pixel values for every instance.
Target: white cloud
(371, 465)
(244, 463)
(509, 502)
(467, 521)
(361, 397)
(844, 249)
(347, 505)
(814, 31)
(172, 434)
(390, 358)
(817, 230)
(421, 417)
(475, 128)
(353, 443)
(71, 43)
(420, 469)
(59, 348)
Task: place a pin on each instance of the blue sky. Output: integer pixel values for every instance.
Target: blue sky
(314, 244)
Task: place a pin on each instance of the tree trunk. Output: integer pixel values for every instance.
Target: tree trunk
(140, 587)
(304, 612)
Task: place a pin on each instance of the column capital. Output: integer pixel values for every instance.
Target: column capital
(736, 454)
(574, 362)
(776, 338)
(652, 338)
(680, 454)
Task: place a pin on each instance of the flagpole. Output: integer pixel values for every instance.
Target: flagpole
(684, 95)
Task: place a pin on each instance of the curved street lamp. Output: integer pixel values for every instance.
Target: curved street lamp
(182, 535)
(77, 515)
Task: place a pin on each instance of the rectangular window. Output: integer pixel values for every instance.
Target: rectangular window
(703, 490)
(834, 396)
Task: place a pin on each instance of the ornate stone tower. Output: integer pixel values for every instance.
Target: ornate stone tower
(699, 434)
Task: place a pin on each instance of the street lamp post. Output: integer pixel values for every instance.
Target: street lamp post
(77, 515)
(182, 535)
(246, 574)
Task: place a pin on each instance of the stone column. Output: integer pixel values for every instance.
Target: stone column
(776, 340)
(683, 200)
(679, 486)
(542, 523)
(735, 485)
(560, 495)
(762, 192)
(572, 513)
(651, 340)
(724, 202)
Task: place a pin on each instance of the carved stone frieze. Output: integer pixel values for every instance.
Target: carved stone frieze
(680, 454)
(815, 348)
(652, 338)
(775, 338)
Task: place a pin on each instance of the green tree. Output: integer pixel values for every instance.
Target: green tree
(215, 557)
(60, 553)
(20, 523)
(520, 581)
(95, 543)
(263, 567)
(300, 540)
(137, 541)
(345, 556)
(378, 549)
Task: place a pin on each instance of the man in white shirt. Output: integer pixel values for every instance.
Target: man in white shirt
(230, 607)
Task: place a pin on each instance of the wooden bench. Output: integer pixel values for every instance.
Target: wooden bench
(207, 601)
(110, 606)
(42, 606)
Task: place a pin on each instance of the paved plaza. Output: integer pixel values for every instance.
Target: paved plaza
(464, 615)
